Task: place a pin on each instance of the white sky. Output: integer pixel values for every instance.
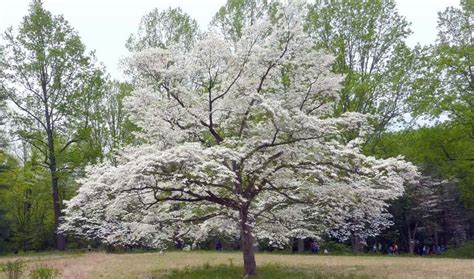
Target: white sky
(104, 25)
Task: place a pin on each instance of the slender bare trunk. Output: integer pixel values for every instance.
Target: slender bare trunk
(49, 121)
(411, 239)
(247, 240)
(60, 238)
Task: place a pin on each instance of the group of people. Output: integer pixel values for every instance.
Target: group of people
(426, 250)
(377, 248)
(393, 249)
(423, 250)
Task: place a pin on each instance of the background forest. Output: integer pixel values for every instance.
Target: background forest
(60, 112)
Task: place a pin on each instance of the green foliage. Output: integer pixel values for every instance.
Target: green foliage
(161, 29)
(235, 15)
(447, 91)
(447, 83)
(13, 269)
(446, 150)
(464, 252)
(26, 201)
(119, 130)
(367, 40)
(44, 272)
(263, 272)
(53, 82)
(51, 79)
(336, 248)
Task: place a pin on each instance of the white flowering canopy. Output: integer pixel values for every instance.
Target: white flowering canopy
(237, 137)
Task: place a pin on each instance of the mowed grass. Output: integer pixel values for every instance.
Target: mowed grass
(218, 264)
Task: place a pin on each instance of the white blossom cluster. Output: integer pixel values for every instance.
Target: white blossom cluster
(242, 138)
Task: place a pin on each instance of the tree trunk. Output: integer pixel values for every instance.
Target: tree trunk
(60, 238)
(247, 240)
(300, 245)
(356, 242)
(290, 245)
(411, 238)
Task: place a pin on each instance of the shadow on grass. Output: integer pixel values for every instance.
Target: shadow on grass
(264, 272)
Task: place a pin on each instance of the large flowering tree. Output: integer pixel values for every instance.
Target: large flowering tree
(235, 136)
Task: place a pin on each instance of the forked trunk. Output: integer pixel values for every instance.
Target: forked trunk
(247, 240)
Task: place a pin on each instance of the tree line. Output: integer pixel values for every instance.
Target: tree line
(61, 112)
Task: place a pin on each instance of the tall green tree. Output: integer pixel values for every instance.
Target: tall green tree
(50, 79)
(158, 29)
(449, 66)
(6, 164)
(3, 108)
(438, 208)
(367, 39)
(120, 129)
(236, 15)
(446, 94)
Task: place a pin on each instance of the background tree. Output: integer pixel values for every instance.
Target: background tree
(6, 164)
(27, 200)
(48, 77)
(238, 15)
(120, 131)
(450, 62)
(440, 193)
(161, 29)
(3, 109)
(447, 95)
(232, 134)
(367, 39)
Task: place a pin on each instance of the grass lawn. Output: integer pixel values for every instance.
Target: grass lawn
(203, 264)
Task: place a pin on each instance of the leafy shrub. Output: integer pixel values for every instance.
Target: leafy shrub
(13, 269)
(44, 272)
(336, 248)
(463, 252)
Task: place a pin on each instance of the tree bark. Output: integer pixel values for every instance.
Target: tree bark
(290, 245)
(247, 242)
(49, 122)
(60, 238)
(411, 238)
(300, 245)
(357, 246)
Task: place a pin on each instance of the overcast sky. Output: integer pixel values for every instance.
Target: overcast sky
(104, 25)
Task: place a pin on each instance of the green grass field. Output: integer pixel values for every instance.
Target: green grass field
(201, 264)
